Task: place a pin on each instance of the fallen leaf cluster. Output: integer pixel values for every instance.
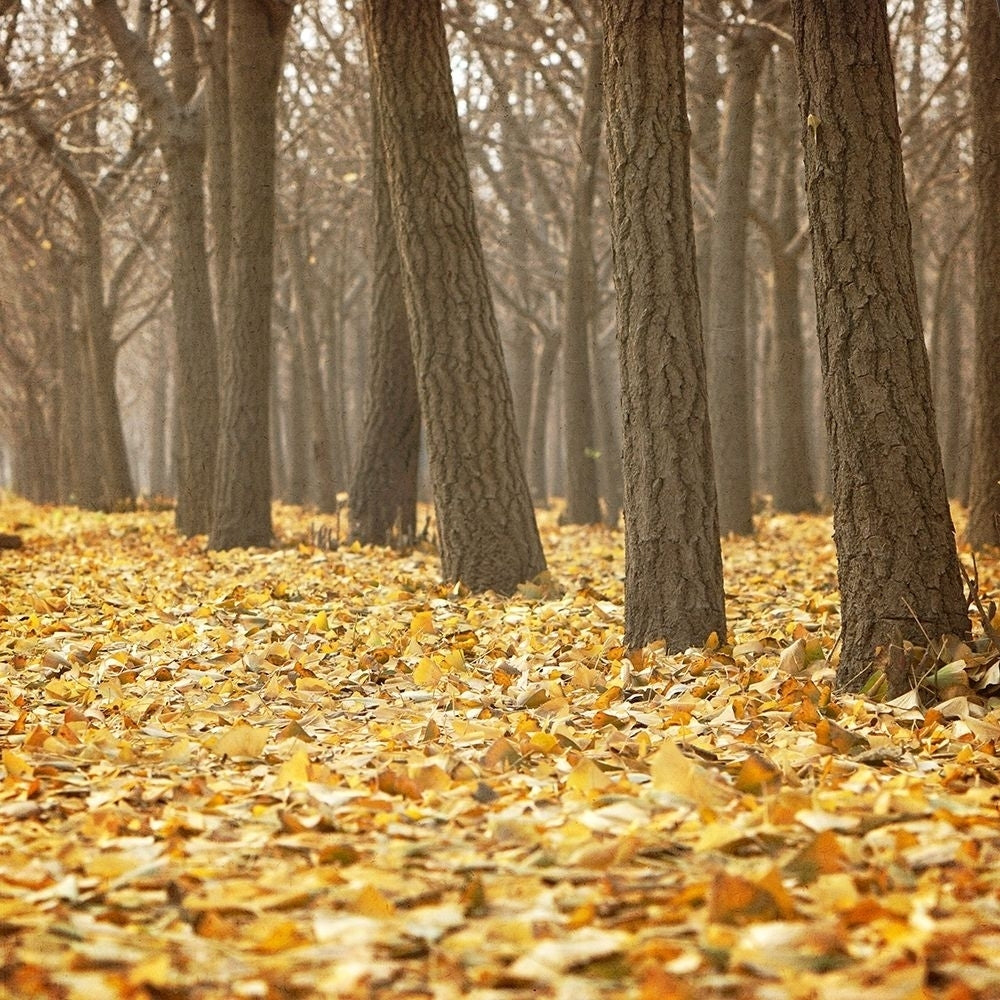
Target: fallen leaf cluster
(301, 773)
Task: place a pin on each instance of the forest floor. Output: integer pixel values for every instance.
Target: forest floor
(310, 773)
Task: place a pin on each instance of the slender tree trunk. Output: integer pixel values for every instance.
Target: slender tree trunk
(705, 90)
(728, 364)
(541, 409)
(383, 495)
(898, 568)
(180, 126)
(241, 514)
(197, 391)
(220, 159)
(582, 503)
(311, 386)
(984, 75)
(116, 490)
(519, 353)
(486, 524)
(159, 430)
(673, 563)
(785, 390)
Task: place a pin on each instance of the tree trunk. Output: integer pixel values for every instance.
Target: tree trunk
(705, 87)
(159, 432)
(898, 568)
(241, 513)
(789, 460)
(197, 390)
(582, 503)
(180, 127)
(673, 563)
(486, 524)
(984, 74)
(728, 365)
(310, 387)
(383, 495)
(116, 490)
(541, 408)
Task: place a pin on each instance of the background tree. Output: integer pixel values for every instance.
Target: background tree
(673, 564)
(898, 568)
(582, 448)
(984, 78)
(106, 478)
(726, 340)
(486, 524)
(384, 491)
(177, 113)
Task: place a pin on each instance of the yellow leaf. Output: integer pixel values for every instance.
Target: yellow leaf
(423, 622)
(242, 740)
(318, 623)
(757, 774)
(271, 934)
(372, 902)
(426, 673)
(294, 771)
(672, 772)
(543, 743)
(16, 766)
(587, 777)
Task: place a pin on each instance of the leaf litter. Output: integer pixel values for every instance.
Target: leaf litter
(308, 773)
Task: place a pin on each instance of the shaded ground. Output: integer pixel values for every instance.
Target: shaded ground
(308, 773)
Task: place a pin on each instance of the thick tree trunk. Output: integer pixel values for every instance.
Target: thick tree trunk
(898, 568)
(383, 495)
(726, 339)
(984, 74)
(582, 503)
(673, 564)
(486, 524)
(241, 514)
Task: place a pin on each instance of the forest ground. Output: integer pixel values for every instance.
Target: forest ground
(322, 773)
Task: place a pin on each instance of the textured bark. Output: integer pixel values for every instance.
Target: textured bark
(898, 568)
(673, 564)
(383, 495)
(582, 503)
(486, 525)
(984, 74)
(241, 514)
(726, 336)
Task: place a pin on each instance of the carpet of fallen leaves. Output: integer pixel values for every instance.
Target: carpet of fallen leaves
(321, 773)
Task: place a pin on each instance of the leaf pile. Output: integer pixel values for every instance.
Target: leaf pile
(305, 773)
